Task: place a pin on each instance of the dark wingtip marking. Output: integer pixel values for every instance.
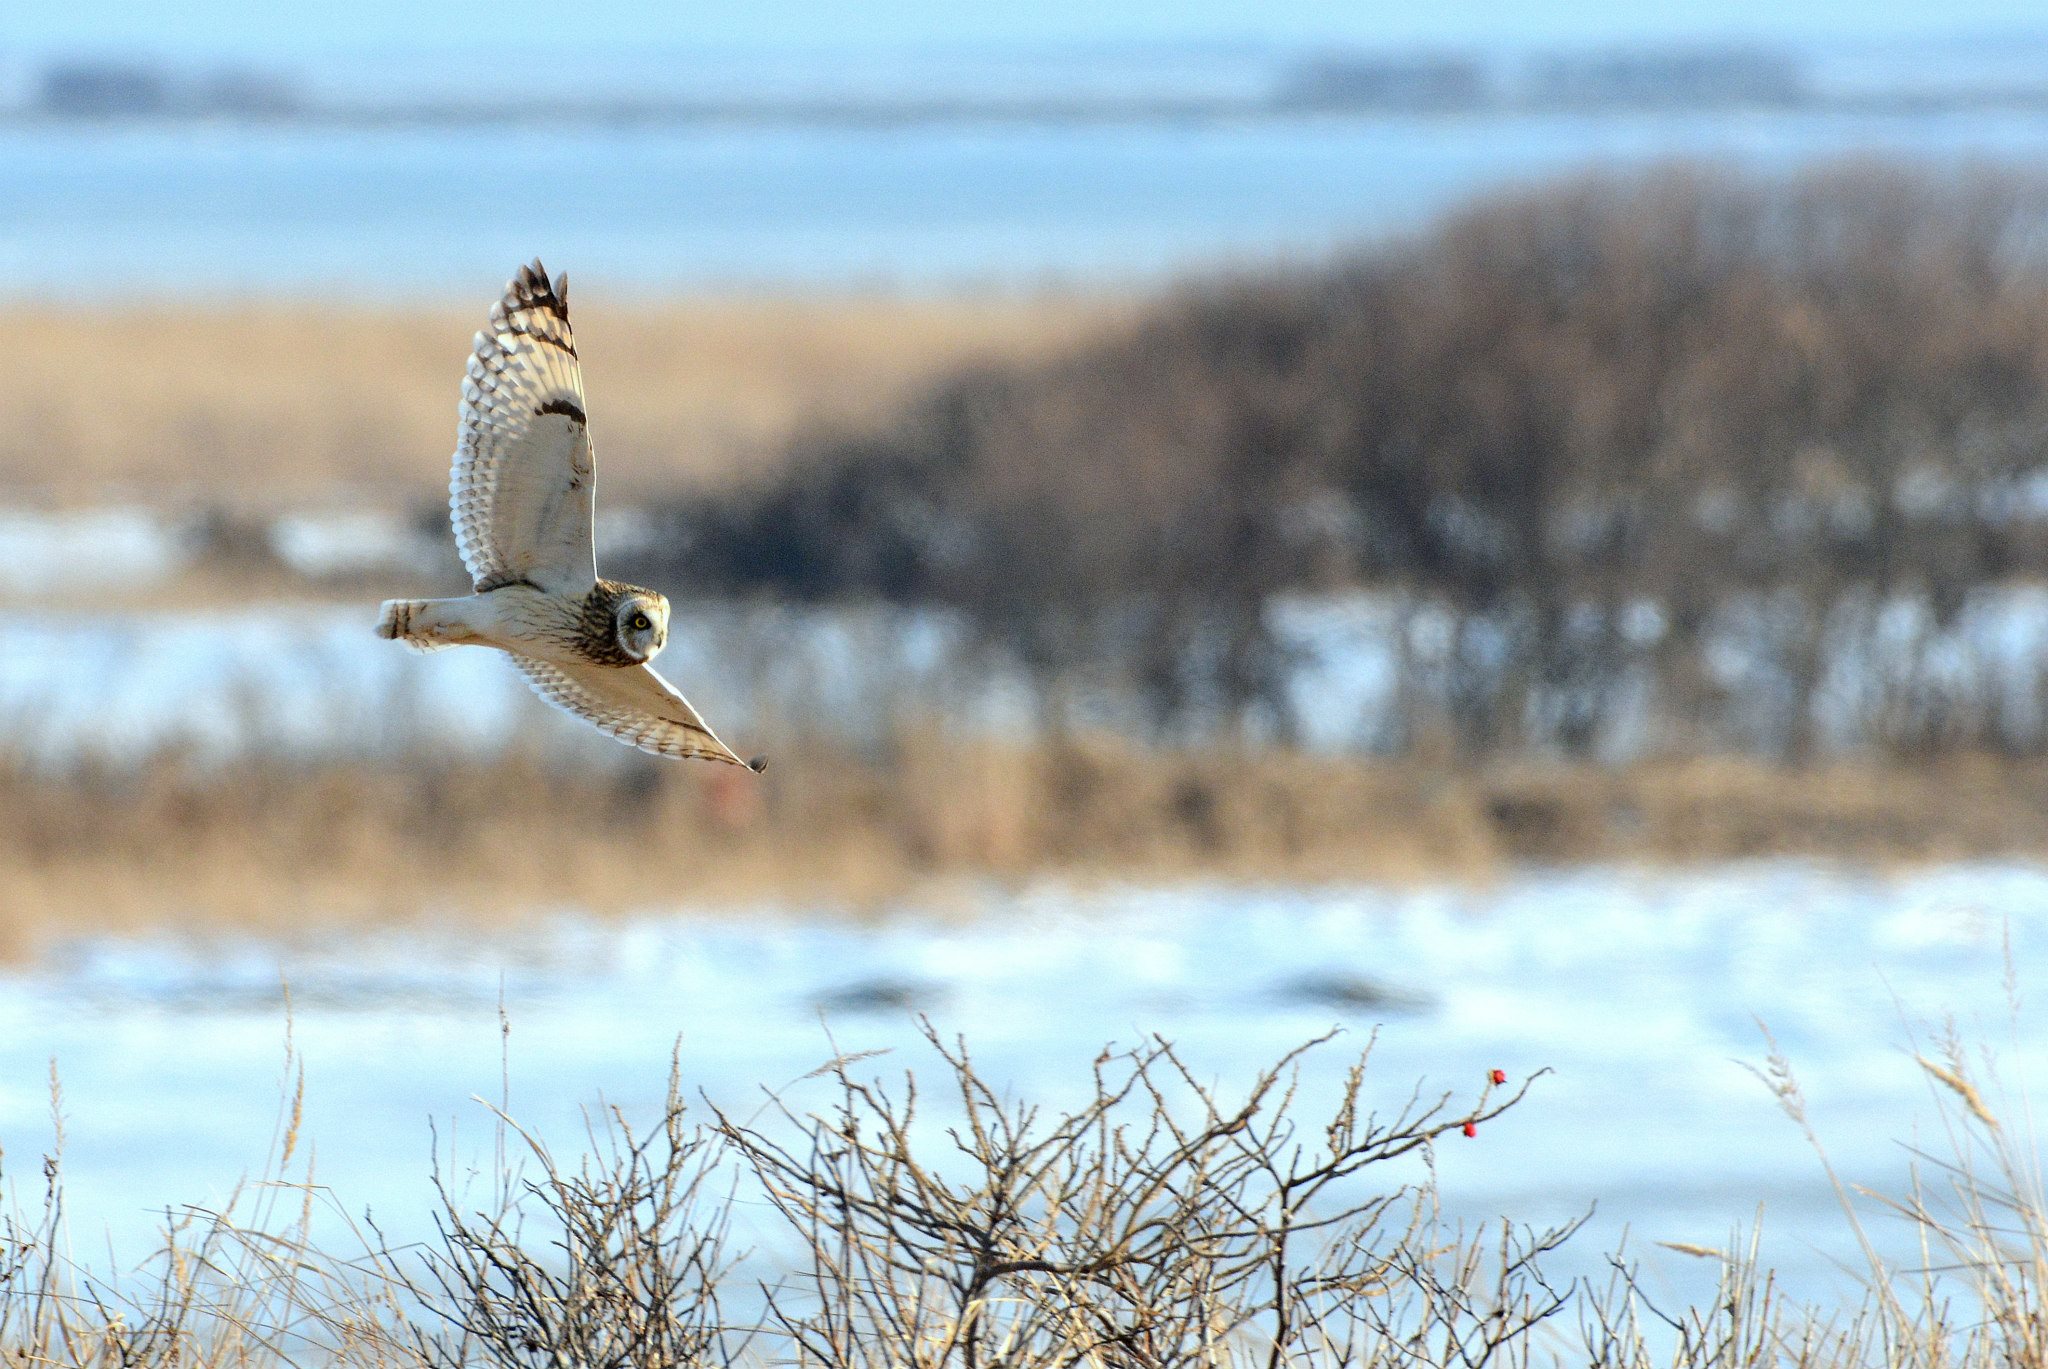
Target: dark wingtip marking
(758, 764)
(531, 282)
(567, 407)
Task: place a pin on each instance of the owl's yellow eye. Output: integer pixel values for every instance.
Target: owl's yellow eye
(640, 623)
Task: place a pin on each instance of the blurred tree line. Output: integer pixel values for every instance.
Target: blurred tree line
(1689, 461)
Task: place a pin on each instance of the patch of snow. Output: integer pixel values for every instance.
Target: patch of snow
(1642, 991)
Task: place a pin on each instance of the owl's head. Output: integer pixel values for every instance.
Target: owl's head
(640, 624)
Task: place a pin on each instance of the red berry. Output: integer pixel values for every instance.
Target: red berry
(1471, 1128)
(1499, 1076)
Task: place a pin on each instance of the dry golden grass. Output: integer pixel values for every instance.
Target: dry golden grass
(277, 846)
(254, 405)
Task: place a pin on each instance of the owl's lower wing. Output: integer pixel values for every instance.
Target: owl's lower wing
(631, 703)
(524, 482)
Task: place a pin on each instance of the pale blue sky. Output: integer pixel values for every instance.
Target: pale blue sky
(269, 27)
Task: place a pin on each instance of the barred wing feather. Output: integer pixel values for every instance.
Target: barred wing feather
(631, 703)
(524, 482)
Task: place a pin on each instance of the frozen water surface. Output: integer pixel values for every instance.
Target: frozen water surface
(118, 210)
(1642, 991)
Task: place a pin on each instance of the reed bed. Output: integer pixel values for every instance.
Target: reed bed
(271, 844)
(255, 405)
(923, 1217)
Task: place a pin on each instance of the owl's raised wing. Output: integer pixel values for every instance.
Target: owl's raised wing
(524, 481)
(631, 703)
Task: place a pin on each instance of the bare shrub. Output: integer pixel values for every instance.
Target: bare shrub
(1661, 452)
(1156, 1222)
(617, 1263)
(1153, 1224)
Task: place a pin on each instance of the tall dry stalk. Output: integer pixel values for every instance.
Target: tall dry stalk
(244, 1285)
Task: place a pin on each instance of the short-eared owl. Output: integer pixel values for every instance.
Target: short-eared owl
(521, 498)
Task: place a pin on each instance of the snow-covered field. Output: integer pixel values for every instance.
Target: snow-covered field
(311, 679)
(1642, 991)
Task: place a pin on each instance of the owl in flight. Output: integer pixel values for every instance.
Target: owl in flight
(520, 498)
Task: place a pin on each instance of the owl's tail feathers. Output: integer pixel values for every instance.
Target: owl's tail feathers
(411, 621)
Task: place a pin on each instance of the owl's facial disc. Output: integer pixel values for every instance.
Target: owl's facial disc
(641, 625)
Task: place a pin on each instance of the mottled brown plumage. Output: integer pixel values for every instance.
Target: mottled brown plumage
(596, 627)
